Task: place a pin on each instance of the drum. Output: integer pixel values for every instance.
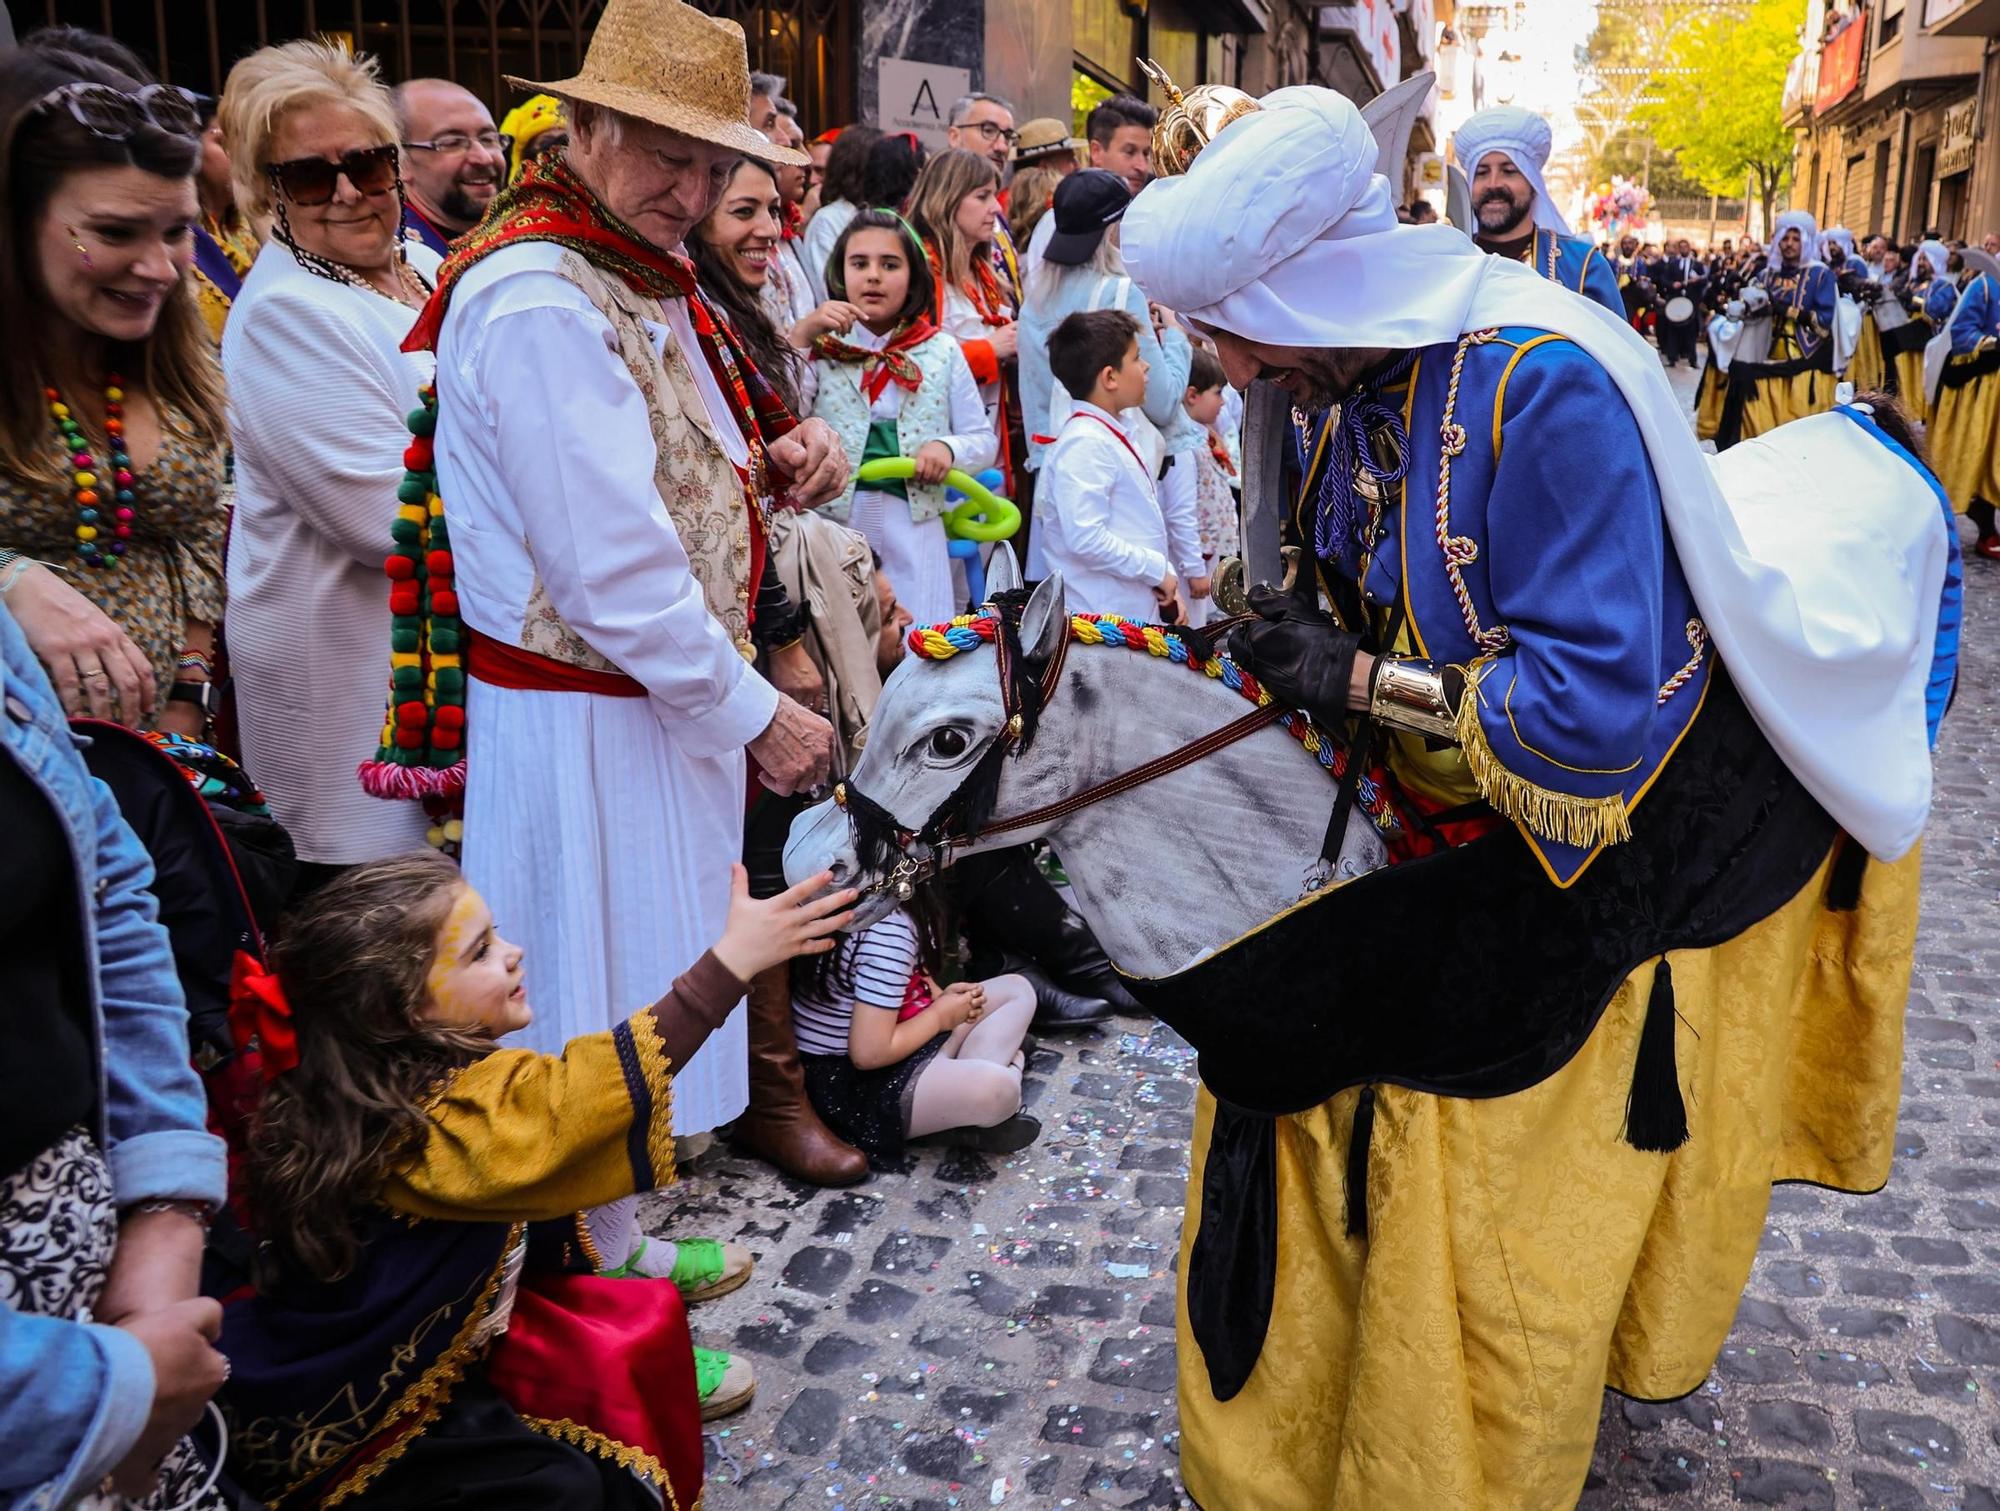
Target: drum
(1680, 310)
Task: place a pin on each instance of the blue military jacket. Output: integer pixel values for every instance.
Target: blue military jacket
(1541, 562)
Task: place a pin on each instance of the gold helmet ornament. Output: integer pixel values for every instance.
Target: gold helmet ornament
(1191, 120)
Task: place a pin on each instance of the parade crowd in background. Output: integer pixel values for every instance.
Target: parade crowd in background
(350, 422)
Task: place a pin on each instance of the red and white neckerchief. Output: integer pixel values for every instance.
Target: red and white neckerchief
(1123, 439)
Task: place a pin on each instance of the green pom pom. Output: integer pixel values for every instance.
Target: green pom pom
(450, 679)
(405, 532)
(407, 679)
(422, 421)
(415, 488)
(444, 641)
(401, 639)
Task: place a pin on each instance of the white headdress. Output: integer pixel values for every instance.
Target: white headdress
(1526, 140)
(1280, 231)
(1934, 254)
(1838, 236)
(1808, 228)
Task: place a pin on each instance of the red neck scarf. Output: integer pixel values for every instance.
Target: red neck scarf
(549, 203)
(791, 223)
(891, 364)
(982, 288)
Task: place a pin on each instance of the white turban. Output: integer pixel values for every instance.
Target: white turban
(1281, 232)
(1840, 237)
(1936, 255)
(1808, 228)
(1526, 139)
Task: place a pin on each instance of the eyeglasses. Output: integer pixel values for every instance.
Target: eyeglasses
(313, 180)
(111, 113)
(993, 131)
(457, 143)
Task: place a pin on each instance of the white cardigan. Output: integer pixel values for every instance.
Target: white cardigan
(319, 393)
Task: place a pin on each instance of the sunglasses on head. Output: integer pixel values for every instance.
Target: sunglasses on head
(313, 180)
(109, 112)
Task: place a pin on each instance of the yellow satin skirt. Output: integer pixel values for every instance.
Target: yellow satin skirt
(1521, 1256)
(1868, 368)
(1708, 397)
(1778, 401)
(1910, 385)
(1964, 441)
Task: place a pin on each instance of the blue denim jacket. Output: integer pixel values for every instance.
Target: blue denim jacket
(74, 1396)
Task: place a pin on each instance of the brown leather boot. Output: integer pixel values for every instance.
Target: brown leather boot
(780, 1126)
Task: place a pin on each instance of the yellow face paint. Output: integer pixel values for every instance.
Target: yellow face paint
(457, 933)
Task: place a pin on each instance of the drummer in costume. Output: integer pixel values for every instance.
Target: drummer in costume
(1410, 1265)
(1679, 276)
(1503, 151)
(1965, 436)
(1795, 376)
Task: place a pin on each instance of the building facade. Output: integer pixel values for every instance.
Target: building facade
(1886, 103)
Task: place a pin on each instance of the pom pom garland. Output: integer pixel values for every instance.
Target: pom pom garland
(423, 730)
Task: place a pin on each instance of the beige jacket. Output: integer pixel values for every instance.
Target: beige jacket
(831, 571)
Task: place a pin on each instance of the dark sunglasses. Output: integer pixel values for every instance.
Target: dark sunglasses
(313, 180)
(111, 113)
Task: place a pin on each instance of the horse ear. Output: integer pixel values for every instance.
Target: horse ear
(1045, 621)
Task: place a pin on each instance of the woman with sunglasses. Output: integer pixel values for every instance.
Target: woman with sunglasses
(318, 393)
(111, 424)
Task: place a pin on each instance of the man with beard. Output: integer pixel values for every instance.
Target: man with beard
(1794, 377)
(454, 159)
(1503, 151)
(1415, 1255)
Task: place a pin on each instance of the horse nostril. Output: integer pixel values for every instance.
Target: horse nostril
(841, 871)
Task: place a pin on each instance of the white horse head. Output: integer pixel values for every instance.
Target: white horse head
(1166, 871)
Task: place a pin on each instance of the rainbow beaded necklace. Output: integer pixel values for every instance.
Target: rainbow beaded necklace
(940, 642)
(105, 501)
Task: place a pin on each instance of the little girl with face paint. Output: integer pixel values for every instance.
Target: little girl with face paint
(897, 386)
(418, 1193)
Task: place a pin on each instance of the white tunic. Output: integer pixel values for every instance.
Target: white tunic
(600, 829)
(319, 394)
(1099, 519)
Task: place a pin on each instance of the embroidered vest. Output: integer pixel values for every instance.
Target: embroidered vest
(701, 489)
(926, 415)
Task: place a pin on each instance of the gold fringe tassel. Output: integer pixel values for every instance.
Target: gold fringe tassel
(624, 1455)
(1563, 817)
(658, 1071)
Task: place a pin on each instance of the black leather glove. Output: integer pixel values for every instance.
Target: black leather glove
(1297, 651)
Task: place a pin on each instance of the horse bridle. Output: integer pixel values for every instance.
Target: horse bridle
(1026, 690)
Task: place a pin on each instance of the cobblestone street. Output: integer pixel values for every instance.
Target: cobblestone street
(966, 1331)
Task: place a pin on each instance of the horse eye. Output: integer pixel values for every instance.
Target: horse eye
(949, 744)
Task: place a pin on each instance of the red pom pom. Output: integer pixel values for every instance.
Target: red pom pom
(444, 739)
(413, 712)
(450, 716)
(400, 567)
(417, 455)
(404, 600)
(409, 739)
(438, 563)
(443, 602)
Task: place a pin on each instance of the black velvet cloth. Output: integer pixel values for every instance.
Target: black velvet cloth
(1959, 371)
(1744, 377)
(1465, 973)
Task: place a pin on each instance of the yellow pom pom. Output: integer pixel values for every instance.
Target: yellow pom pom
(405, 658)
(60, 411)
(435, 504)
(414, 513)
(434, 837)
(454, 830)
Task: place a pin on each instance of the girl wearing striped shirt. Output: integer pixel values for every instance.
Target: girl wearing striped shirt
(889, 1056)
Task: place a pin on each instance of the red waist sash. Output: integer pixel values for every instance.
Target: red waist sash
(500, 665)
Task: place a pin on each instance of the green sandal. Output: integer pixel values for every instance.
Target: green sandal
(704, 1268)
(724, 1382)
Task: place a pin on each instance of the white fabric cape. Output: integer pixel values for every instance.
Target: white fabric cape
(1789, 568)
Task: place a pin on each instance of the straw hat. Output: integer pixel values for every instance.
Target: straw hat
(1043, 137)
(667, 63)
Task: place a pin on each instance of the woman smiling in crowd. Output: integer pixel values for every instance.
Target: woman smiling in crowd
(111, 422)
(318, 393)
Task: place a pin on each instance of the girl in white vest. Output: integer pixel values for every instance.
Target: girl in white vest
(898, 386)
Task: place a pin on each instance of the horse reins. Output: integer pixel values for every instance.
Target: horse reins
(1016, 734)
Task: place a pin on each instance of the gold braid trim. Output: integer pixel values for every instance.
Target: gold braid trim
(433, 1387)
(634, 1460)
(658, 1071)
(1585, 822)
(587, 1244)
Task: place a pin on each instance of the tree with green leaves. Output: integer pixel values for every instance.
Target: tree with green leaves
(1719, 102)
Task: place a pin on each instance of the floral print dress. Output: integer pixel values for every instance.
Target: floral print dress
(172, 571)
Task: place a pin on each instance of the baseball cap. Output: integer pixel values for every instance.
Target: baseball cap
(1087, 204)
